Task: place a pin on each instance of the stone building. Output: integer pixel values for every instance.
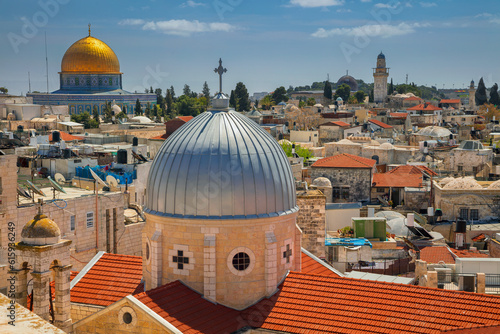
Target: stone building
(380, 74)
(350, 176)
(332, 131)
(471, 158)
(311, 220)
(221, 210)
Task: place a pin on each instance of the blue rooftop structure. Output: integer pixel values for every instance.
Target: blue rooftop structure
(352, 242)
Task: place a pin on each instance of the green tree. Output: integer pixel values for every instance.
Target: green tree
(95, 114)
(360, 96)
(352, 100)
(311, 101)
(279, 95)
(327, 92)
(370, 97)
(266, 102)
(344, 91)
(391, 88)
(85, 119)
(494, 97)
(4, 90)
(172, 92)
(169, 101)
(121, 115)
(188, 106)
(151, 90)
(242, 97)
(148, 111)
(138, 108)
(481, 97)
(107, 113)
(206, 91)
(299, 150)
(186, 90)
(232, 100)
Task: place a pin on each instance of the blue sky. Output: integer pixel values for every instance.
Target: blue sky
(264, 44)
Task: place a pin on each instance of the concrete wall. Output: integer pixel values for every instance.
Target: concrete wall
(339, 218)
(304, 136)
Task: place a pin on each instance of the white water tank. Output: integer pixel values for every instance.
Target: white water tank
(410, 220)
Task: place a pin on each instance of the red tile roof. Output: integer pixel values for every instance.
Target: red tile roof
(403, 115)
(318, 304)
(413, 98)
(379, 123)
(308, 303)
(450, 101)
(412, 169)
(311, 265)
(337, 123)
(189, 312)
(424, 107)
(185, 118)
(386, 180)
(479, 237)
(111, 278)
(345, 160)
(67, 137)
(468, 253)
(436, 254)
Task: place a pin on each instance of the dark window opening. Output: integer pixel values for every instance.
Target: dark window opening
(241, 261)
(180, 259)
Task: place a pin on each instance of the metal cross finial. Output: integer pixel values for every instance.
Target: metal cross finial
(220, 71)
(89, 29)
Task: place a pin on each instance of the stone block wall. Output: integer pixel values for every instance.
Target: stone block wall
(358, 180)
(312, 221)
(81, 311)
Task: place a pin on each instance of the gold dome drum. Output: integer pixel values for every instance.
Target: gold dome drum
(90, 55)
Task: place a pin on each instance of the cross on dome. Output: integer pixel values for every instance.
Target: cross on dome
(220, 71)
(89, 29)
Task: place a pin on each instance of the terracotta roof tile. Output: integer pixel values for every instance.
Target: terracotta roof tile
(111, 278)
(379, 123)
(311, 265)
(424, 107)
(398, 115)
(185, 118)
(436, 254)
(395, 180)
(345, 160)
(337, 123)
(450, 101)
(66, 136)
(468, 253)
(413, 98)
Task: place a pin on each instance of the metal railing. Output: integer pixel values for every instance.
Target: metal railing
(468, 282)
(383, 267)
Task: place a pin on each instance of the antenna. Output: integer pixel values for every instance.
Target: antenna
(55, 187)
(29, 83)
(46, 63)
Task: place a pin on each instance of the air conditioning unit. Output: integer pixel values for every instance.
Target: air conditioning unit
(444, 275)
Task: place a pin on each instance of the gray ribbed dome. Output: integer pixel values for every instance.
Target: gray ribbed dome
(220, 165)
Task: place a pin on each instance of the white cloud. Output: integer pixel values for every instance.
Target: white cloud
(495, 20)
(366, 0)
(187, 28)
(371, 30)
(343, 10)
(428, 4)
(131, 22)
(388, 5)
(483, 15)
(193, 4)
(316, 3)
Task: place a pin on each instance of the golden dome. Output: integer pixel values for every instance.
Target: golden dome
(41, 230)
(90, 55)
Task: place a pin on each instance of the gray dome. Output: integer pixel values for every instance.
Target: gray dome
(434, 131)
(220, 165)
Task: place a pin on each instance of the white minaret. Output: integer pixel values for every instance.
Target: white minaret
(380, 74)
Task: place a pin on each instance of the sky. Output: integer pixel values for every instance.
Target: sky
(264, 44)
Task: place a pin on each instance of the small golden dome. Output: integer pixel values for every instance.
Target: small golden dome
(90, 55)
(41, 230)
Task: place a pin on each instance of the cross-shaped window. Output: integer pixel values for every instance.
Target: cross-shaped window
(287, 253)
(180, 259)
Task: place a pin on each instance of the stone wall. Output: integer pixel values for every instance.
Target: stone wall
(416, 200)
(358, 180)
(81, 311)
(469, 160)
(110, 320)
(494, 248)
(312, 220)
(336, 148)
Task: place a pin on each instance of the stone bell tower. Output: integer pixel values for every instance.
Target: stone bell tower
(42, 254)
(472, 96)
(380, 74)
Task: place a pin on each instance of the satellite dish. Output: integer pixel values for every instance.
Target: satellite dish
(35, 189)
(97, 178)
(22, 192)
(111, 181)
(59, 178)
(56, 185)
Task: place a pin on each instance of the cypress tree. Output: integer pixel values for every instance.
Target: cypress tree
(481, 97)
